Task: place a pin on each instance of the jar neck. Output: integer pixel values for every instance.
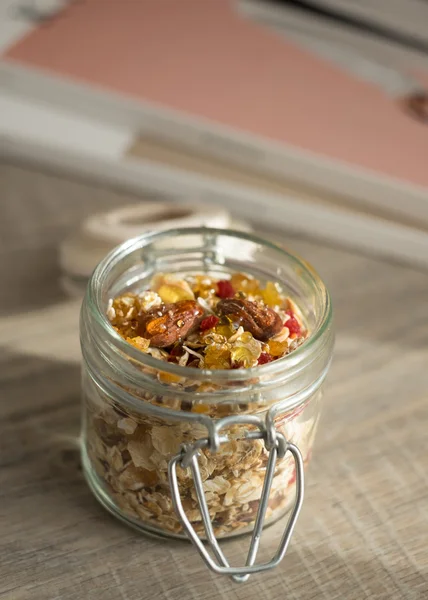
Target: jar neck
(109, 357)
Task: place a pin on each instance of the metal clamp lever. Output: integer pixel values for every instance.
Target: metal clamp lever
(277, 446)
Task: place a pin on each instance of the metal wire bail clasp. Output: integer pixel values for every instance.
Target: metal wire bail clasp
(277, 446)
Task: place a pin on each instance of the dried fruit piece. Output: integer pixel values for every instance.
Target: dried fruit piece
(242, 358)
(217, 356)
(201, 408)
(278, 349)
(139, 342)
(244, 283)
(203, 285)
(225, 289)
(170, 293)
(178, 350)
(261, 321)
(165, 377)
(225, 330)
(292, 323)
(209, 322)
(170, 323)
(264, 358)
(172, 289)
(272, 294)
(245, 351)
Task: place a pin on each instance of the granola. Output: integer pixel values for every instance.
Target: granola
(203, 323)
(207, 323)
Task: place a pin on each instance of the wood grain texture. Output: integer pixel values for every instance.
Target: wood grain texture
(363, 530)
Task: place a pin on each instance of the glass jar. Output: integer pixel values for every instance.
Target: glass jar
(174, 450)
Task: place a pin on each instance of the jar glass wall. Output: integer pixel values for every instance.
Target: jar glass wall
(138, 411)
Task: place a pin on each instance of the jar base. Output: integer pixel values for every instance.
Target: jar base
(96, 485)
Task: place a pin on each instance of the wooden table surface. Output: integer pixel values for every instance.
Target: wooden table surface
(363, 532)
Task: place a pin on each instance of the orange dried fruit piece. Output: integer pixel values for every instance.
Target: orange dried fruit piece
(165, 377)
(201, 408)
(277, 349)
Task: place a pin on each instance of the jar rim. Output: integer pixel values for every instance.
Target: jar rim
(96, 309)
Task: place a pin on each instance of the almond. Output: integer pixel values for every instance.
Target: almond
(260, 320)
(170, 323)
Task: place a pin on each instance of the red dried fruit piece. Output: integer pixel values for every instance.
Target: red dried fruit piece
(177, 351)
(225, 289)
(292, 323)
(209, 322)
(264, 358)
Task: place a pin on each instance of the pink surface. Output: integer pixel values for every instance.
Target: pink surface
(201, 57)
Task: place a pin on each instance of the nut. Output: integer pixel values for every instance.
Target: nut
(261, 321)
(168, 324)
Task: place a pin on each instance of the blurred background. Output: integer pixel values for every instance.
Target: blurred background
(308, 115)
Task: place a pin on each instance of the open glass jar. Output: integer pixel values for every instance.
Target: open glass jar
(174, 450)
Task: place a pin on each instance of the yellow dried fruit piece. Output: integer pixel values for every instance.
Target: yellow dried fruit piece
(242, 356)
(207, 294)
(225, 330)
(278, 348)
(139, 342)
(217, 356)
(171, 289)
(247, 338)
(246, 350)
(244, 283)
(171, 294)
(203, 285)
(272, 294)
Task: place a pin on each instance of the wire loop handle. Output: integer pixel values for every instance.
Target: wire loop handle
(277, 446)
